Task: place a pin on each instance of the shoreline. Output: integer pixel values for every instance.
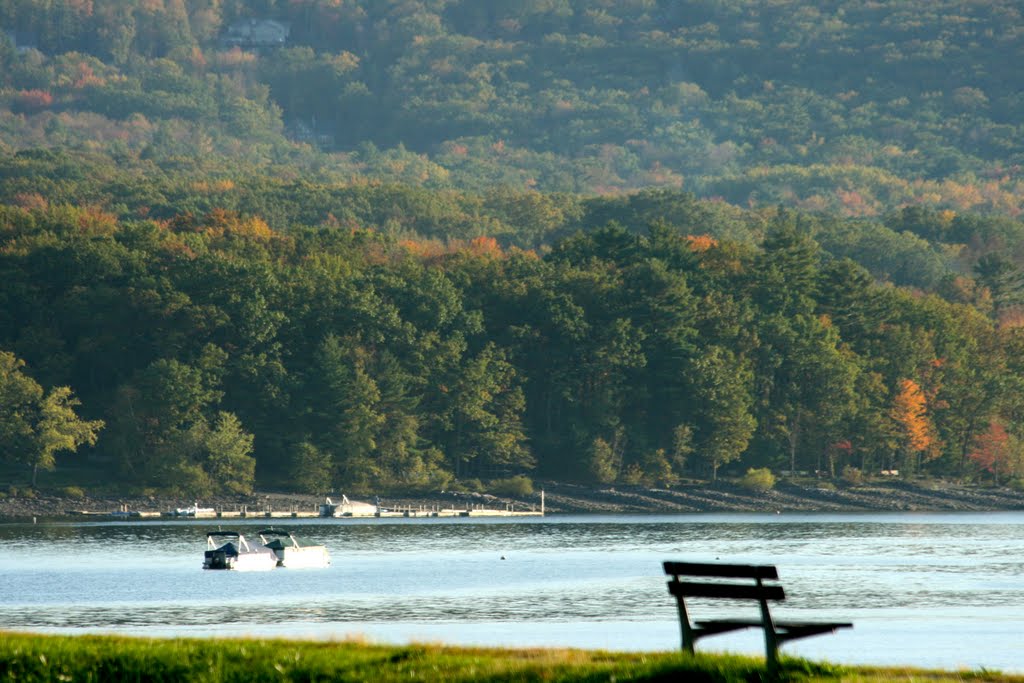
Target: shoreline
(563, 498)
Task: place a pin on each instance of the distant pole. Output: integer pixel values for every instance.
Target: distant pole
(542, 502)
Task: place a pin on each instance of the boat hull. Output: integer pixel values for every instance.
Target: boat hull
(308, 557)
(292, 552)
(244, 562)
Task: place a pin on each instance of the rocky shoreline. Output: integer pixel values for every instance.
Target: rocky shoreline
(886, 496)
(562, 498)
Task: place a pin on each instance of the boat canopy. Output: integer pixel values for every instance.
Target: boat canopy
(228, 548)
(274, 531)
(225, 534)
(279, 541)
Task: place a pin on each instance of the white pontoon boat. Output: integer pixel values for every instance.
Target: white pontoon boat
(293, 552)
(231, 550)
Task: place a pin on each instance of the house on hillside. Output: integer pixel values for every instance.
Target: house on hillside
(23, 41)
(256, 33)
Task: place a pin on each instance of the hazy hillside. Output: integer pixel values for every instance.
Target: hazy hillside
(854, 107)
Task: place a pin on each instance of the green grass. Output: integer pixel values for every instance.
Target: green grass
(27, 657)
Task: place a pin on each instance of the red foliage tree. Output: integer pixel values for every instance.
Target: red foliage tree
(995, 452)
(31, 101)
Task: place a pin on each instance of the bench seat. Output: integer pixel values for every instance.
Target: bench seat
(785, 630)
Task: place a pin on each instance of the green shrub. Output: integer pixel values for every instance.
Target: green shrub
(632, 475)
(466, 486)
(513, 487)
(658, 470)
(25, 492)
(758, 479)
(604, 463)
(73, 492)
(852, 476)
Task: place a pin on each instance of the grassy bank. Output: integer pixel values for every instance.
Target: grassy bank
(27, 657)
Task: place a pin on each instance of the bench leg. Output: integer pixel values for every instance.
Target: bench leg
(771, 655)
(687, 630)
(771, 639)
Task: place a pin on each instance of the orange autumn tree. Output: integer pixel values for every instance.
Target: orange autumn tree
(701, 243)
(909, 412)
(485, 246)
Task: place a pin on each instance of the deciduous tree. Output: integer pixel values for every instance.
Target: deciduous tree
(997, 452)
(35, 426)
(909, 412)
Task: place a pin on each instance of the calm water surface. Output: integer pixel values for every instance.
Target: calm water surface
(943, 590)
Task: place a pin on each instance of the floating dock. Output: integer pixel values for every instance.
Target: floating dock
(429, 511)
(347, 508)
(342, 510)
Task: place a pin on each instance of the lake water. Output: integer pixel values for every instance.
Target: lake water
(943, 590)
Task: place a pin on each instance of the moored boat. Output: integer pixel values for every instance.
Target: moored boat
(231, 550)
(194, 511)
(293, 552)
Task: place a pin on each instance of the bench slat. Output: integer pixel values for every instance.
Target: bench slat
(738, 623)
(730, 571)
(714, 627)
(688, 589)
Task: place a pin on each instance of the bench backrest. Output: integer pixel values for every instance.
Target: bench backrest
(738, 591)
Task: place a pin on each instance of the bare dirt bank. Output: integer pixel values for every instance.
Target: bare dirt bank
(570, 498)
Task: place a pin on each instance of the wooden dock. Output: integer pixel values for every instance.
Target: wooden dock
(244, 513)
(434, 511)
(348, 508)
(342, 511)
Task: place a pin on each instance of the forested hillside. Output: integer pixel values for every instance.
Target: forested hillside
(857, 107)
(394, 246)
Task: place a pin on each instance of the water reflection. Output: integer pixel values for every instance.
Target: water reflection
(538, 605)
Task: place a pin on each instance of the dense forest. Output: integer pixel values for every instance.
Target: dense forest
(413, 245)
(210, 345)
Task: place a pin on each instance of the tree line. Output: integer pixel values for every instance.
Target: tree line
(937, 251)
(211, 352)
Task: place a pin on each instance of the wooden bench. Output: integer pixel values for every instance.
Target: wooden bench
(743, 582)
